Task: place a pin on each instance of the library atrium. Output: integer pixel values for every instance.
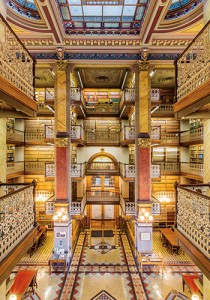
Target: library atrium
(104, 149)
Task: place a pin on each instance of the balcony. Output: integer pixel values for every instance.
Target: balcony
(156, 171)
(171, 139)
(35, 167)
(78, 135)
(193, 67)
(77, 207)
(192, 136)
(127, 135)
(163, 110)
(103, 109)
(170, 168)
(15, 169)
(156, 133)
(192, 170)
(102, 197)
(34, 137)
(16, 72)
(77, 101)
(15, 136)
(17, 224)
(111, 168)
(127, 103)
(77, 170)
(127, 206)
(102, 138)
(127, 171)
(193, 223)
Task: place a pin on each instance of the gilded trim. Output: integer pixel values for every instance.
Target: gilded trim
(143, 65)
(144, 142)
(61, 142)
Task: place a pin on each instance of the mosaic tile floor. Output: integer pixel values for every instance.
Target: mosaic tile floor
(113, 270)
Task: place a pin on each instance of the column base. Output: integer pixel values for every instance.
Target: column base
(63, 237)
(143, 237)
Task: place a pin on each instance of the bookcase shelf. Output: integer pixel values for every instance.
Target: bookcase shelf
(196, 153)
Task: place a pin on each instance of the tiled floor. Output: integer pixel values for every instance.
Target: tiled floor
(113, 270)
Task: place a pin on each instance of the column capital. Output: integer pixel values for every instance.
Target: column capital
(62, 139)
(61, 65)
(143, 65)
(144, 142)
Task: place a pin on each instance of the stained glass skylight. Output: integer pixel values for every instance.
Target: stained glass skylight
(88, 16)
(180, 8)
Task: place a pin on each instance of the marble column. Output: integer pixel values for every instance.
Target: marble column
(143, 159)
(62, 223)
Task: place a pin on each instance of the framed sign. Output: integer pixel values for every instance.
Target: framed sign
(60, 235)
(145, 236)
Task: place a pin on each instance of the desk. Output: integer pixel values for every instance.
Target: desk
(154, 259)
(40, 238)
(57, 263)
(170, 238)
(23, 280)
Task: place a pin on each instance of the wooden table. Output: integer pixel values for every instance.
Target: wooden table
(23, 280)
(170, 237)
(57, 262)
(154, 259)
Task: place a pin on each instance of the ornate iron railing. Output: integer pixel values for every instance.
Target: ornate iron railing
(127, 207)
(17, 217)
(192, 168)
(16, 64)
(170, 167)
(76, 95)
(100, 108)
(37, 167)
(15, 135)
(15, 167)
(49, 131)
(155, 171)
(128, 94)
(193, 66)
(156, 132)
(77, 170)
(163, 109)
(77, 132)
(167, 196)
(191, 135)
(127, 170)
(127, 133)
(193, 211)
(170, 138)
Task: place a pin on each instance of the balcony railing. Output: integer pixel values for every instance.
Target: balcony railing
(49, 132)
(76, 95)
(170, 167)
(97, 136)
(156, 133)
(168, 196)
(127, 133)
(103, 109)
(16, 63)
(193, 211)
(102, 196)
(34, 136)
(36, 167)
(15, 135)
(77, 132)
(193, 66)
(128, 95)
(77, 207)
(17, 217)
(77, 170)
(155, 171)
(192, 135)
(163, 109)
(127, 207)
(15, 167)
(127, 171)
(192, 168)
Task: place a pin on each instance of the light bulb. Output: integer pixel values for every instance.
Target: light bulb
(195, 297)
(59, 214)
(142, 218)
(151, 218)
(64, 217)
(55, 218)
(13, 297)
(146, 214)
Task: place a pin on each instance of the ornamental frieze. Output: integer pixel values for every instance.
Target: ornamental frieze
(144, 142)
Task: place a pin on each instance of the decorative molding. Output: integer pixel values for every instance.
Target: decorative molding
(144, 142)
(61, 64)
(181, 42)
(143, 65)
(106, 56)
(61, 142)
(102, 42)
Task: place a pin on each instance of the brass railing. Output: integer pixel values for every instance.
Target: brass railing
(170, 167)
(15, 135)
(16, 64)
(102, 196)
(163, 109)
(168, 196)
(17, 217)
(77, 170)
(34, 136)
(170, 138)
(99, 136)
(193, 210)
(101, 108)
(193, 66)
(37, 167)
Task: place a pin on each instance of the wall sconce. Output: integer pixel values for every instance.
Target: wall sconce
(144, 216)
(60, 217)
(195, 297)
(164, 200)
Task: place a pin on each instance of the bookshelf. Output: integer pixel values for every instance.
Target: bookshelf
(167, 216)
(96, 96)
(196, 153)
(10, 153)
